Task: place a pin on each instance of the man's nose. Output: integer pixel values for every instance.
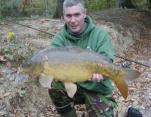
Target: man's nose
(73, 19)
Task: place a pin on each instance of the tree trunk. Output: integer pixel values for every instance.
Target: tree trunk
(59, 9)
(149, 4)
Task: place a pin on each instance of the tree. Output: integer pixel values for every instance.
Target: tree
(126, 3)
(149, 4)
(59, 8)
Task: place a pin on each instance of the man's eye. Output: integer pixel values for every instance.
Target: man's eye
(77, 15)
(68, 16)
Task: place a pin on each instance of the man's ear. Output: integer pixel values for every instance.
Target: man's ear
(85, 13)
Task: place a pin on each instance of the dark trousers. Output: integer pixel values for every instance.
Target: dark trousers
(97, 105)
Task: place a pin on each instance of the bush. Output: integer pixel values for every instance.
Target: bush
(21, 8)
(10, 7)
(14, 50)
(95, 5)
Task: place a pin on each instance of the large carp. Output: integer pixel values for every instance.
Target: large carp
(72, 64)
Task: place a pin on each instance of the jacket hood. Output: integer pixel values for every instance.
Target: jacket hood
(89, 26)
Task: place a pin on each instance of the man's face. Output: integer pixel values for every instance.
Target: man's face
(74, 18)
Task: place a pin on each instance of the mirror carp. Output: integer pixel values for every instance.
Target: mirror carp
(73, 64)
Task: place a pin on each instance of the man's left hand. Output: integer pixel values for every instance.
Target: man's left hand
(97, 77)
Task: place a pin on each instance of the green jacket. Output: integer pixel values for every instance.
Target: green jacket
(95, 39)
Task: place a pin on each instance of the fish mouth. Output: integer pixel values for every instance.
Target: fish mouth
(23, 68)
(20, 69)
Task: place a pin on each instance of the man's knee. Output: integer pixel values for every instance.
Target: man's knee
(58, 97)
(65, 108)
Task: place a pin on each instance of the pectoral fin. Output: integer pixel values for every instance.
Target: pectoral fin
(71, 88)
(45, 81)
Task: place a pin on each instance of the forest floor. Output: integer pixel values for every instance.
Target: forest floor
(21, 96)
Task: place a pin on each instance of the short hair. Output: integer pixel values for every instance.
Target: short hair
(70, 3)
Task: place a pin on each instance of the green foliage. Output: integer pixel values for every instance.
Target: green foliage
(37, 7)
(1, 17)
(14, 50)
(10, 7)
(47, 7)
(95, 5)
(141, 4)
(18, 8)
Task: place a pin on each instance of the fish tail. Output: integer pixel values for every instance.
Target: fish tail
(121, 78)
(122, 86)
(130, 75)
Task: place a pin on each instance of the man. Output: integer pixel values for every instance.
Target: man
(96, 94)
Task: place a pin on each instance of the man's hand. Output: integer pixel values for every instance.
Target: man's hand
(97, 77)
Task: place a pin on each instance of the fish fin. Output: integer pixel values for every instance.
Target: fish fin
(71, 88)
(122, 86)
(130, 75)
(45, 81)
(120, 82)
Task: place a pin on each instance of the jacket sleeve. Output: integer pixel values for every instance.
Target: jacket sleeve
(104, 46)
(57, 41)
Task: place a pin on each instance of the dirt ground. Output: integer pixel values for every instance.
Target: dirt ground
(21, 96)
